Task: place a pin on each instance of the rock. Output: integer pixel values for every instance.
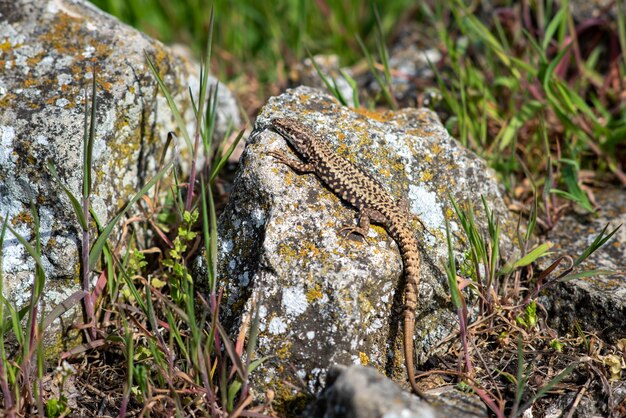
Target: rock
(410, 60)
(590, 403)
(323, 298)
(306, 74)
(597, 303)
(49, 49)
(362, 392)
(451, 402)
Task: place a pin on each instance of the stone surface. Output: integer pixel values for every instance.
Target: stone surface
(323, 298)
(47, 53)
(410, 60)
(597, 303)
(306, 74)
(448, 401)
(362, 392)
(590, 403)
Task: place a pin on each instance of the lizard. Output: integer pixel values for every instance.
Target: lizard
(374, 204)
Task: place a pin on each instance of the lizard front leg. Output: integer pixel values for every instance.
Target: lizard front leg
(296, 165)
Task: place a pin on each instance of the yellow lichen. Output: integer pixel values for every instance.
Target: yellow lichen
(284, 352)
(426, 176)
(372, 114)
(24, 217)
(7, 100)
(436, 149)
(314, 293)
(6, 46)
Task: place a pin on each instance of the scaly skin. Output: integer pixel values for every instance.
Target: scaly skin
(373, 202)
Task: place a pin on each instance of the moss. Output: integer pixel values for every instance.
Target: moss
(61, 342)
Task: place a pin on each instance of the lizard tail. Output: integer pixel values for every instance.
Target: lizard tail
(412, 268)
(409, 323)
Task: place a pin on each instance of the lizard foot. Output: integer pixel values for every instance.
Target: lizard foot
(346, 231)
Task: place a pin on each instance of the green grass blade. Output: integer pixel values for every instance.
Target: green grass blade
(455, 294)
(590, 273)
(598, 242)
(78, 209)
(224, 159)
(89, 141)
(546, 388)
(554, 24)
(97, 247)
(332, 87)
(182, 126)
(538, 252)
(32, 251)
(575, 192)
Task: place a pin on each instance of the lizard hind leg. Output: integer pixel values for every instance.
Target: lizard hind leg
(366, 216)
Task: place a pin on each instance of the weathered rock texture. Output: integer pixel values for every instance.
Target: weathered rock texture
(327, 299)
(361, 392)
(598, 303)
(48, 50)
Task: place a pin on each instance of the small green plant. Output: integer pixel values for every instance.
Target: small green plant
(175, 261)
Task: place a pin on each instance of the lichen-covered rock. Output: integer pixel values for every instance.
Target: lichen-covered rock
(599, 302)
(324, 298)
(48, 50)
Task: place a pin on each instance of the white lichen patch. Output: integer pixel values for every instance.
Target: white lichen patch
(294, 301)
(425, 204)
(42, 141)
(277, 326)
(62, 102)
(7, 135)
(258, 217)
(226, 246)
(63, 79)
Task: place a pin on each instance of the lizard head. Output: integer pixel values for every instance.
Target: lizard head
(298, 135)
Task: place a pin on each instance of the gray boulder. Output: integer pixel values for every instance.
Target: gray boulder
(323, 298)
(49, 51)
